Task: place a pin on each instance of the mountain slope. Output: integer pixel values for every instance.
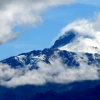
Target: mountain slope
(47, 55)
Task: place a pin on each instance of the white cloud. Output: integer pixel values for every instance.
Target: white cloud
(56, 73)
(22, 12)
(88, 38)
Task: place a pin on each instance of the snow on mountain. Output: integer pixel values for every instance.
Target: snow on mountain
(49, 56)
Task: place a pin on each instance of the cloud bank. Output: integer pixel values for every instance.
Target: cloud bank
(88, 38)
(22, 12)
(57, 72)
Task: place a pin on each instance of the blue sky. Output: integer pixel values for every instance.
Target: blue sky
(42, 35)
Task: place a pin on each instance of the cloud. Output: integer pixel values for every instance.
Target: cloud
(57, 72)
(88, 38)
(26, 13)
(22, 12)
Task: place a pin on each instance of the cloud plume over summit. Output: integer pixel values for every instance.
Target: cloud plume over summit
(88, 38)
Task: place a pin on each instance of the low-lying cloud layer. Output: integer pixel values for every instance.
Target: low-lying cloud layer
(22, 12)
(55, 73)
(88, 38)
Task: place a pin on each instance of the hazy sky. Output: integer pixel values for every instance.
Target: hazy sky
(34, 24)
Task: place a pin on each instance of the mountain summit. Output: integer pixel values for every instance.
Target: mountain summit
(65, 39)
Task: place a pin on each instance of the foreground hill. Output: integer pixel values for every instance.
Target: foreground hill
(90, 94)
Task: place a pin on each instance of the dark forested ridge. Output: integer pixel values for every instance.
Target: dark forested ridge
(90, 94)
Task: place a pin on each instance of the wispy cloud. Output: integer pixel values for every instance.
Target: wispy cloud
(57, 72)
(22, 12)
